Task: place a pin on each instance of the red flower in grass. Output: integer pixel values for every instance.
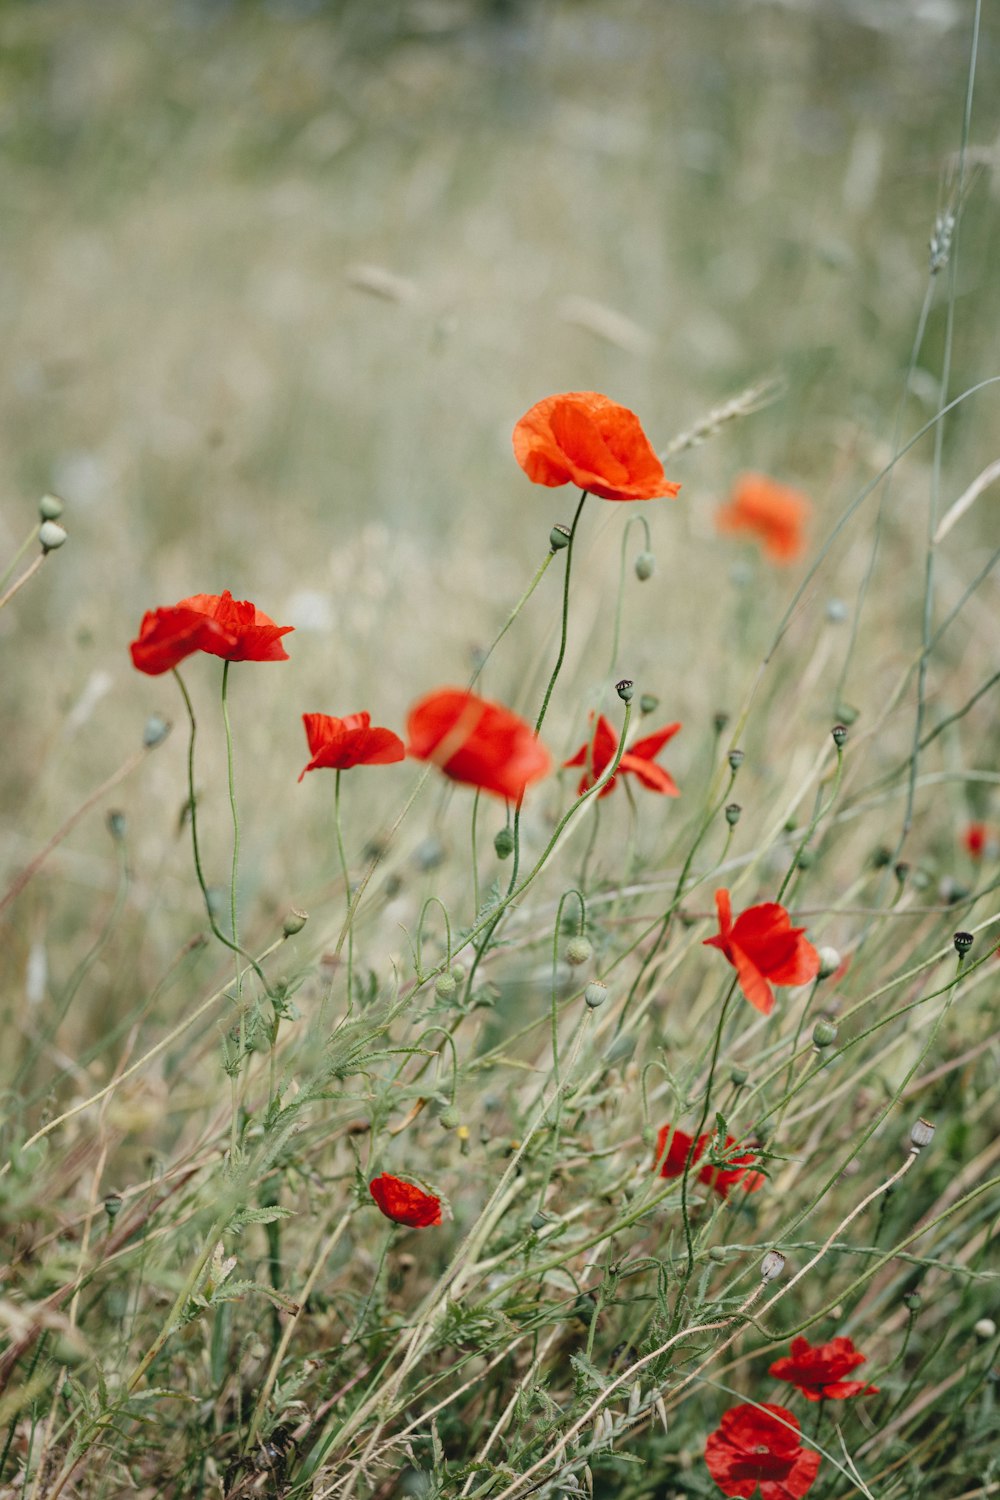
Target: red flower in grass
(339, 744)
(673, 1146)
(818, 1369)
(775, 514)
(404, 1203)
(587, 439)
(215, 623)
(759, 1445)
(764, 949)
(480, 743)
(980, 841)
(638, 761)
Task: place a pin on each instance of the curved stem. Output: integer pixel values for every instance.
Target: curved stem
(347, 886)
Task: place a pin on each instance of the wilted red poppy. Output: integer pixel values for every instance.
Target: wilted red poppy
(592, 441)
(762, 946)
(215, 623)
(759, 1445)
(818, 1369)
(404, 1203)
(673, 1146)
(637, 761)
(774, 513)
(339, 744)
(475, 741)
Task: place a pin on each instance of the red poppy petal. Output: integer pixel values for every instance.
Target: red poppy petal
(752, 982)
(649, 747)
(650, 774)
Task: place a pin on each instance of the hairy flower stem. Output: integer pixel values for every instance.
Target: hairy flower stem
(345, 871)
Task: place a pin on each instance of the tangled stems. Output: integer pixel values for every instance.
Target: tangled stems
(818, 815)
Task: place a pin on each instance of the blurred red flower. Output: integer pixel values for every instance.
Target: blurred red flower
(339, 744)
(590, 440)
(818, 1369)
(773, 512)
(762, 946)
(637, 761)
(215, 623)
(759, 1445)
(979, 840)
(404, 1203)
(672, 1147)
(477, 742)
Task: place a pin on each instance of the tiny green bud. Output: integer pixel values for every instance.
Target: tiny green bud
(50, 507)
(596, 993)
(117, 825)
(719, 720)
(625, 689)
(733, 812)
(579, 950)
(806, 859)
(648, 703)
(881, 857)
(963, 942)
(294, 922)
(450, 1118)
(504, 843)
(717, 1253)
(735, 758)
(559, 538)
(648, 1135)
(829, 962)
(847, 714)
(824, 1034)
(445, 986)
(901, 870)
(457, 972)
(738, 1075)
(155, 731)
(645, 566)
(51, 535)
(839, 732)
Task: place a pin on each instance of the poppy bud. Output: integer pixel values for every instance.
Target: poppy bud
(51, 535)
(719, 720)
(839, 732)
(847, 714)
(155, 731)
(559, 538)
(579, 950)
(921, 1134)
(595, 994)
(717, 1253)
(913, 1301)
(445, 986)
(648, 703)
(824, 1034)
(117, 824)
(645, 566)
(963, 942)
(504, 843)
(50, 507)
(733, 814)
(829, 962)
(113, 1206)
(540, 1218)
(772, 1265)
(457, 972)
(985, 1328)
(450, 1118)
(735, 758)
(625, 689)
(836, 611)
(294, 922)
(806, 859)
(738, 1075)
(621, 1047)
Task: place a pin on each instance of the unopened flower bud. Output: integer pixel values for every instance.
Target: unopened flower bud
(648, 1135)
(645, 566)
(51, 535)
(829, 962)
(963, 942)
(717, 1253)
(738, 1075)
(772, 1265)
(450, 1118)
(445, 986)
(648, 703)
(155, 731)
(839, 732)
(294, 922)
(579, 950)
(559, 538)
(921, 1134)
(985, 1328)
(596, 993)
(719, 720)
(836, 611)
(621, 1047)
(806, 859)
(733, 812)
(504, 843)
(117, 824)
(50, 507)
(735, 758)
(847, 714)
(824, 1034)
(457, 972)
(625, 689)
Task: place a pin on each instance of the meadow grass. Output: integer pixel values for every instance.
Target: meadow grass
(273, 336)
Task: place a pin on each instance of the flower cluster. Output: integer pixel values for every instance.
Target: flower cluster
(674, 1150)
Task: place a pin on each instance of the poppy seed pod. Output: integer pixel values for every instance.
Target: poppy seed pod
(829, 962)
(504, 843)
(839, 732)
(155, 731)
(735, 758)
(824, 1034)
(648, 703)
(719, 720)
(559, 538)
(625, 689)
(772, 1265)
(847, 714)
(50, 507)
(117, 825)
(733, 812)
(913, 1301)
(921, 1134)
(579, 950)
(645, 566)
(738, 1076)
(294, 922)
(113, 1206)
(963, 942)
(51, 535)
(595, 994)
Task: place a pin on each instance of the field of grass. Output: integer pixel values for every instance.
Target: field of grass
(278, 282)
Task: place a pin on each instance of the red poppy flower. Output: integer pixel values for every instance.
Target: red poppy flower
(215, 623)
(339, 744)
(599, 445)
(673, 1146)
(759, 1445)
(762, 946)
(477, 742)
(637, 761)
(775, 514)
(404, 1203)
(818, 1369)
(979, 840)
